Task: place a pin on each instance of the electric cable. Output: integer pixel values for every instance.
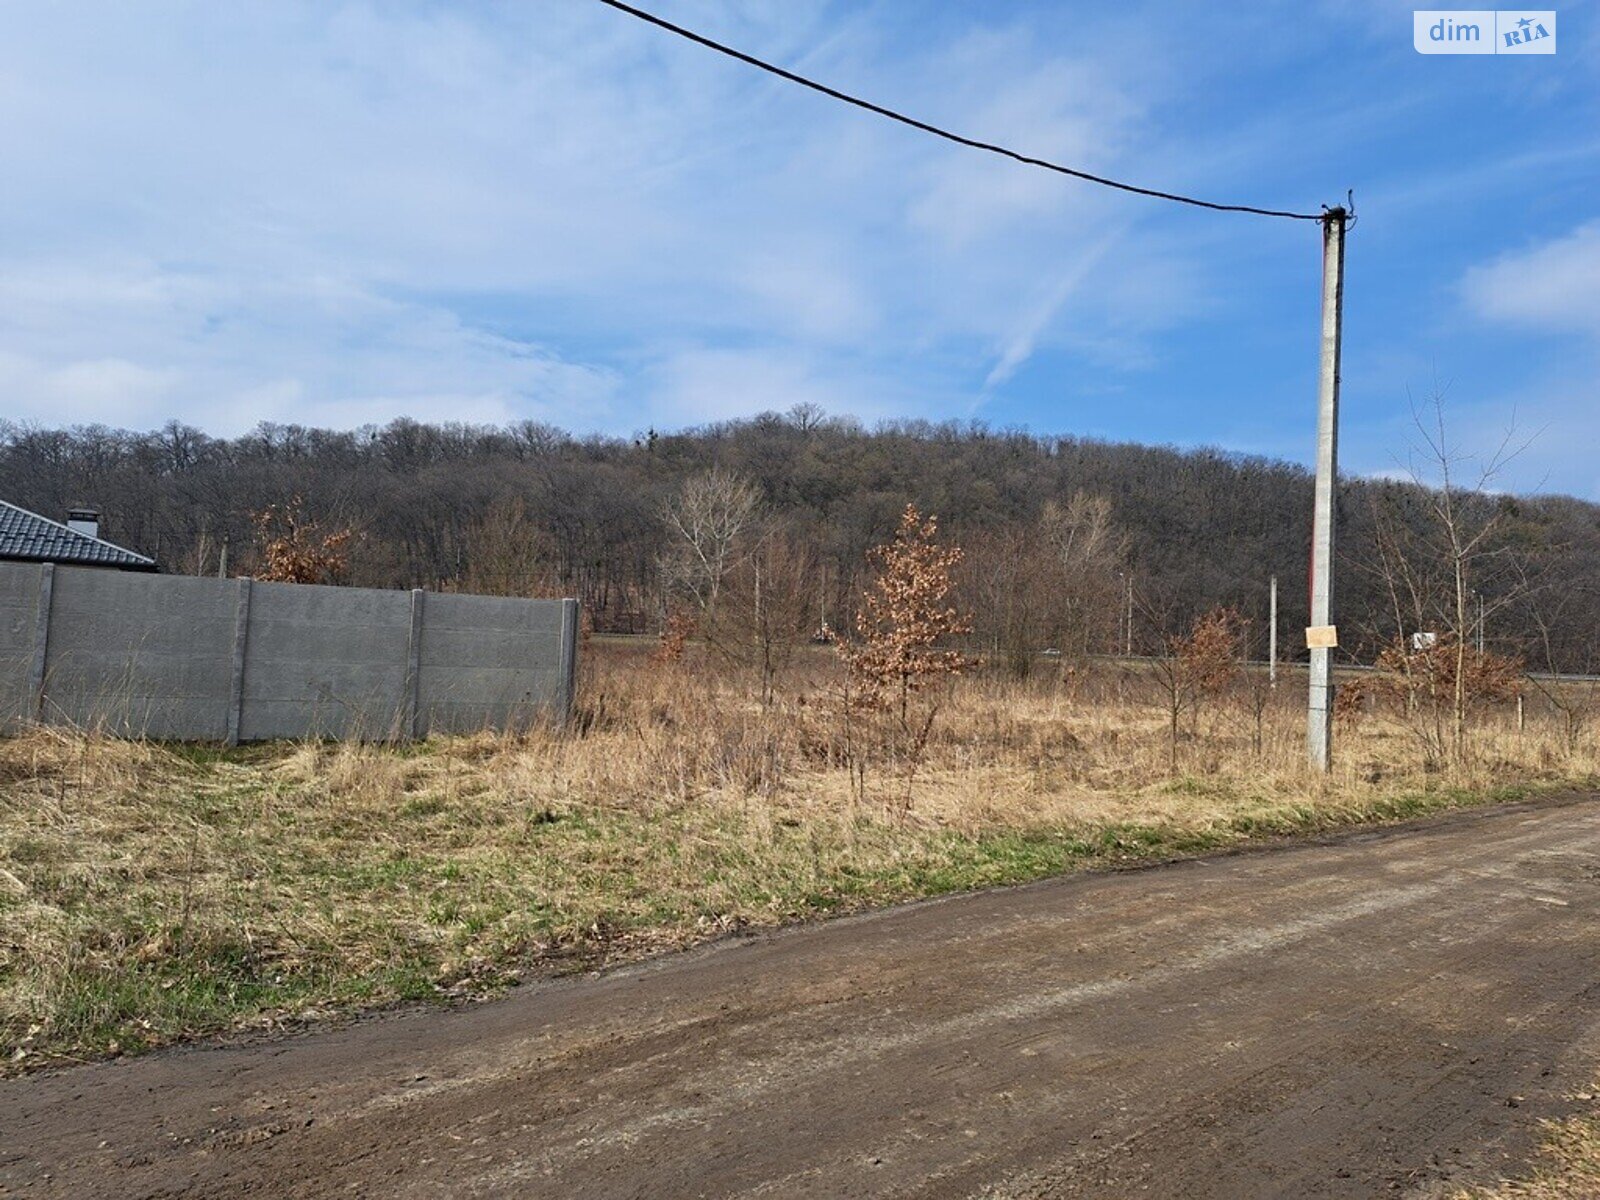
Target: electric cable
(946, 134)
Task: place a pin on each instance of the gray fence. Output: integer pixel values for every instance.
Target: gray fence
(171, 656)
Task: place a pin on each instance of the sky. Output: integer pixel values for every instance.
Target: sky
(337, 214)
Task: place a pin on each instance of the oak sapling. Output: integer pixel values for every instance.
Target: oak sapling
(673, 639)
(1437, 686)
(294, 549)
(900, 651)
(1198, 667)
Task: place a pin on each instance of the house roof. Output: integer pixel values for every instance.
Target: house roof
(28, 536)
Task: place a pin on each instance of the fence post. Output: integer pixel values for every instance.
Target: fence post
(569, 658)
(241, 635)
(41, 639)
(413, 707)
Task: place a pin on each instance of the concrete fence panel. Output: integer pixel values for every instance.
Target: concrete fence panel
(324, 661)
(20, 590)
(137, 654)
(237, 660)
(476, 669)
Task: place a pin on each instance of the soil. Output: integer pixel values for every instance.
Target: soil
(1390, 1013)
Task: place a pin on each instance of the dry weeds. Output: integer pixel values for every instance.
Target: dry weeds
(148, 893)
(1568, 1167)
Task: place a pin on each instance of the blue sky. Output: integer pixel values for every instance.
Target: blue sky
(338, 214)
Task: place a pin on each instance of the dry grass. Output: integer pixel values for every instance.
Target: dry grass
(148, 893)
(1568, 1166)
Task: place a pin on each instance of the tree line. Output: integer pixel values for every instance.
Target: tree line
(765, 524)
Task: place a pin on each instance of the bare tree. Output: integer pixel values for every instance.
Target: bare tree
(1006, 573)
(1087, 551)
(1048, 583)
(1576, 700)
(508, 553)
(1450, 557)
(706, 518)
(768, 605)
(806, 416)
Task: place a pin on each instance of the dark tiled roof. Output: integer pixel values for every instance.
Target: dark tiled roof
(29, 536)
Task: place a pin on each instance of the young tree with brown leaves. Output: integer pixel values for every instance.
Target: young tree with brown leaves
(904, 619)
(294, 549)
(673, 640)
(1197, 667)
(1437, 685)
(905, 614)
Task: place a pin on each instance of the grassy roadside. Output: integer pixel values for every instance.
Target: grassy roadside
(149, 894)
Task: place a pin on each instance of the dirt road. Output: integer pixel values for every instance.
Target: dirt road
(1370, 1017)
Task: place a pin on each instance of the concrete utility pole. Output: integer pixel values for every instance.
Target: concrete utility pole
(1321, 637)
(1272, 636)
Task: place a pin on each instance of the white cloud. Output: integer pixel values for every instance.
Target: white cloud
(807, 296)
(699, 385)
(94, 391)
(1551, 286)
(1019, 347)
(337, 213)
(135, 345)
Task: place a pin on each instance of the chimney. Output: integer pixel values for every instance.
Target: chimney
(85, 521)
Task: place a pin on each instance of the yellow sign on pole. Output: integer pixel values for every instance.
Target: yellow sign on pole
(1322, 637)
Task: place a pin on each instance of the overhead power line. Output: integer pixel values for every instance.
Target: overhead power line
(1003, 151)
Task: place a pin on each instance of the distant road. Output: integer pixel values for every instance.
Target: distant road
(1372, 1016)
(1339, 668)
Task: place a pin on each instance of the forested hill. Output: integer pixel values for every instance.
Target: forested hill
(530, 508)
